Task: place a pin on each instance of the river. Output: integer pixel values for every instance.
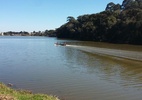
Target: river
(34, 63)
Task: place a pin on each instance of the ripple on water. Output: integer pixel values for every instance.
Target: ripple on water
(35, 64)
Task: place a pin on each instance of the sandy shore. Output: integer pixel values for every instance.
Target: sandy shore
(132, 55)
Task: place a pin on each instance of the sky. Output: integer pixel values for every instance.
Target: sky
(41, 15)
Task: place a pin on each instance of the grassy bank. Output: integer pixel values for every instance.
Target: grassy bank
(6, 93)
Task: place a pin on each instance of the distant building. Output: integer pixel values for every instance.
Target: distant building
(1, 34)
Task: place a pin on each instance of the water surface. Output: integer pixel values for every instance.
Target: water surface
(34, 63)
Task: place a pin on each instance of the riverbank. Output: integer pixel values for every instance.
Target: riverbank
(132, 55)
(6, 93)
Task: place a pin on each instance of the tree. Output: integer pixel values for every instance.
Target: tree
(70, 19)
(112, 7)
(114, 25)
(131, 4)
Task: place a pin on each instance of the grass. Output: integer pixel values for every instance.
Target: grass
(7, 93)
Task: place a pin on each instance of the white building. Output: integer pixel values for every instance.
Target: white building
(1, 34)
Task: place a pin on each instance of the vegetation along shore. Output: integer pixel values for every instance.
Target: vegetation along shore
(119, 23)
(7, 93)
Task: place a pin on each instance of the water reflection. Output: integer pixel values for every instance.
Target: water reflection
(126, 73)
(34, 63)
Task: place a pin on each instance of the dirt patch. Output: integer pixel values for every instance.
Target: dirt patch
(6, 97)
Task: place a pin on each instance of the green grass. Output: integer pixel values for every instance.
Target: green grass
(7, 93)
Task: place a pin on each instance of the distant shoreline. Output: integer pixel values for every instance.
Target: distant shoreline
(131, 55)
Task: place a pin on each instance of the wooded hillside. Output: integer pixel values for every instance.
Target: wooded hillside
(119, 23)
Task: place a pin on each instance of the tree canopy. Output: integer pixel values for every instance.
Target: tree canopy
(119, 23)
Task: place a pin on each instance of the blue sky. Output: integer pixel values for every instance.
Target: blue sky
(39, 15)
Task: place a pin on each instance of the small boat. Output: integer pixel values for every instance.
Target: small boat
(60, 44)
(55, 44)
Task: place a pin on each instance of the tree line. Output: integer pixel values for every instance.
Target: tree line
(118, 23)
(50, 33)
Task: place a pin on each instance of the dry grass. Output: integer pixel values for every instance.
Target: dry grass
(6, 97)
